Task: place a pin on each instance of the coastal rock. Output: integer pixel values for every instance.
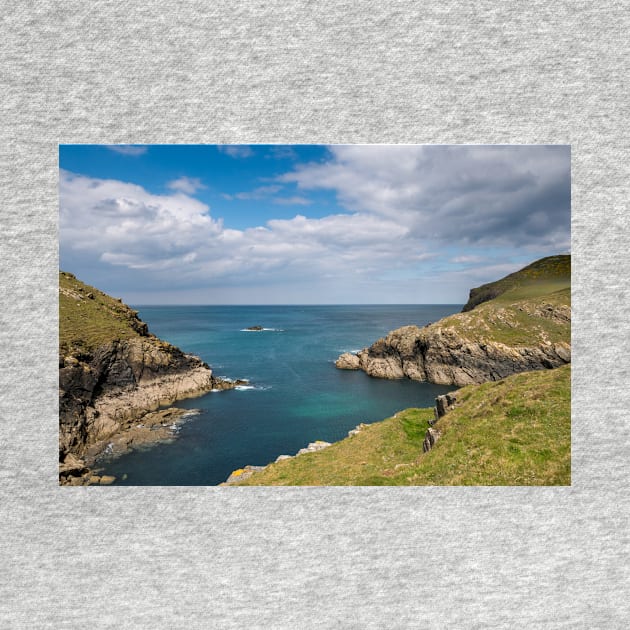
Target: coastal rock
(357, 429)
(113, 377)
(152, 427)
(120, 382)
(430, 438)
(348, 361)
(240, 474)
(443, 355)
(519, 323)
(318, 445)
(443, 404)
(72, 466)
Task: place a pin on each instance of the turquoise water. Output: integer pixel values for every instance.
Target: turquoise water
(296, 396)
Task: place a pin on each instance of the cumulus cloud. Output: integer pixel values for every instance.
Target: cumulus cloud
(123, 225)
(486, 195)
(127, 149)
(236, 150)
(188, 185)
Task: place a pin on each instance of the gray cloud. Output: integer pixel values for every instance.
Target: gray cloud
(292, 201)
(494, 195)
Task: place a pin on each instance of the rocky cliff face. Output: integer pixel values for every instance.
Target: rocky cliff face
(442, 356)
(112, 372)
(100, 394)
(520, 331)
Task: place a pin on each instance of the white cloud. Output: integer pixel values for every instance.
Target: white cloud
(406, 208)
(127, 149)
(122, 225)
(292, 201)
(469, 259)
(187, 185)
(236, 150)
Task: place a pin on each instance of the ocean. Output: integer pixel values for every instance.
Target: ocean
(295, 393)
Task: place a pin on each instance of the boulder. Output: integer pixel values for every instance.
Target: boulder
(348, 361)
(430, 438)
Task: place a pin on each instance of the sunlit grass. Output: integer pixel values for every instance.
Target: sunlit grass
(511, 432)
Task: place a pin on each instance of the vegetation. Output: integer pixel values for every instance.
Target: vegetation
(516, 431)
(553, 271)
(526, 315)
(89, 318)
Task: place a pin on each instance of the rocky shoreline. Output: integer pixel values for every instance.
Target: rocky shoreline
(443, 404)
(152, 428)
(115, 378)
(445, 358)
(111, 401)
(441, 353)
(240, 474)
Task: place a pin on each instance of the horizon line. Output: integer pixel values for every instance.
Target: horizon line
(310, 304)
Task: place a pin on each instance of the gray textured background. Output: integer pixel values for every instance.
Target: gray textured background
(313, 72)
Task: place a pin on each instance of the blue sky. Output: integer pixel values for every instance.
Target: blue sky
(308, 224)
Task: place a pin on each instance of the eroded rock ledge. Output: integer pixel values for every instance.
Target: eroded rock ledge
(441, 355)
(104, 394)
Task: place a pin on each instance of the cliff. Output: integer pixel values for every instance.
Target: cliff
(526, 326)
(113, 371)
(549, 272)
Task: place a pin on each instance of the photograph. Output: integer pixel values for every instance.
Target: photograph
(314, 315)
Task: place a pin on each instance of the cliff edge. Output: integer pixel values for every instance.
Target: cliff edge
(112, 372)
(525, 326)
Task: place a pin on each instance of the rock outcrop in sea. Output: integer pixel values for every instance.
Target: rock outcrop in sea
(442, 356)
(522, 331)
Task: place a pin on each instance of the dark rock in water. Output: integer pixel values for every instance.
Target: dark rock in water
(254, 328)
(221, 384)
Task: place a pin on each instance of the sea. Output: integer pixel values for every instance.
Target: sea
(295, 394)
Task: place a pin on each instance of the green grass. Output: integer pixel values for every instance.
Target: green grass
(89, 318)
(516, 431)
(516, 317)
(544, 275)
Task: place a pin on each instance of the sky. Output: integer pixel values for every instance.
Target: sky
(308, 224)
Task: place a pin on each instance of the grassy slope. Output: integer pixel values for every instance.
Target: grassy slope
(553, 271)
(511, 432)
(87, 322)
(511, 318)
